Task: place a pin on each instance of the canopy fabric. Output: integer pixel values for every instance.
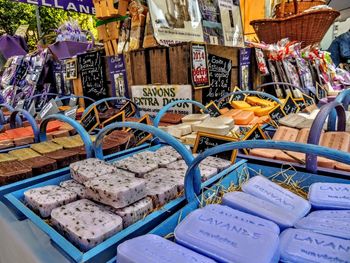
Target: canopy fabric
(343, 6)
(251, 10)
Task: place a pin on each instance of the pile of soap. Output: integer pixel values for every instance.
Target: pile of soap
(103, 198)
(264, 223)
(335, 140)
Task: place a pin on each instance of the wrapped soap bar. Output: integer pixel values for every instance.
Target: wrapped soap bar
(250, 204)
(161, 191)
(116, 191)
(263, 188)
(343, 215)
(243, 218)
(195, 117)
(85, 223)
(75, 187)
(44, 199)
(135, 211)
(325, 226)
(303, 246)
(329, 196)
(152, 248)
(225, 240)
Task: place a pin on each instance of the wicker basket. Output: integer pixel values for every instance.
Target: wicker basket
(285, 9)
(308, 27)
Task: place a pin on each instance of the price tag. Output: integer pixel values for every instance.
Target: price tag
(213, 109)
(290, 106)
(119, 117)
(71, 113)
(129, 109)
(49, 109)
(238, 97)
(20, 105)
(102, 107)
(90, 120)
(308, 100)
(141, 136)
(256, 133)
(73, 101)
(276, 114)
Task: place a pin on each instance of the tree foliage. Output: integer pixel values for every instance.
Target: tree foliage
(14, 14)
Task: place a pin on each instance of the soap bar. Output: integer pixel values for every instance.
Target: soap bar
(244, 118)
(23, 154)
(326, 226)
(291, 120)
(152, 248)
(343, 215)
(243, 218)
(180, 130)
(46, 147)
(263, 111)
(137, 166)
(336, 140)
(168, 150)
(116, 191)
(44, 199)
(240, 104)
(161, 191)
(250, 204)
(5, 157)
(285, 134)
(41, 165)
(135, 211)
(224, 240)
(195, 117)
(303, 246)
(221, 120)
(172, 118)
(23, 141)
(232, 113)
(329, 196)
(173, 176)
(265, 153)
(85, 223)
(215, 162)
(64, 157)
(189, 139)
(75, 187)
(263, 188)
(213, 128)
(13, 171)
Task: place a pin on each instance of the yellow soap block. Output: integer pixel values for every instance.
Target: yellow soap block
(263, 111)
(253, 109)
(252, 100)
(240, 104)
(64, 108)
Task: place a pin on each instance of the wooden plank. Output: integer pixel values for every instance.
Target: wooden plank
(179, 63)
(78, 90)
(138, 67)
(225, 52)
(158, 65)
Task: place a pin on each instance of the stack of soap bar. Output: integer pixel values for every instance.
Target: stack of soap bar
(180, 130)
(226, 240)
(41, 164)
(325, 226)
(24, 154)
(64, 157)
(329, 196)
(195, 117)
(256, 206)
(85, 223)
(303, 246)
(263, 188)
(13, 171)
(173, 176)
(75, 187)
(160, 190)
(45, 199)
(152, 248)
(239, 104)
(135, 211)
(291, 120)
(116, 191)
(46, 147)
(214, 128)
(244, 118)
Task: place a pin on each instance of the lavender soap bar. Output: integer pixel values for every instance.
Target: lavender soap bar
(328, 227)
(303, 246)
(330, 196)
(225, 240)
(263, 188)
(342, 215)
(255, 206)
(152, 248)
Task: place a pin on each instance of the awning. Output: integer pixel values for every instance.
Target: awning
(343, 6)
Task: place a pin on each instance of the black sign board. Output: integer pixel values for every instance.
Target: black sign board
(290, 106)
(256, 133)
(92, 76)
(206, 141)
(141, 136)
(102, 107)
(300, 103)
(238, 97)
(220, 79)
(91, 120)
(129, 109)
(71, 69)
(119, 117)
(276, 114)
(213, 109)
(308, 100)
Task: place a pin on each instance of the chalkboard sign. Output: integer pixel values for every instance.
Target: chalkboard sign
(300, 103)
(213, 109)
(308, 100)
(129, 109)
(220, 79)
(290, 106)
(238, 97)
(226, 103)
(276, 114)
(71, 69)
(119, 117)
(206, 141)
(256, 133)
(102, 107)
(141, 136)
(90, 120)
(92, 76)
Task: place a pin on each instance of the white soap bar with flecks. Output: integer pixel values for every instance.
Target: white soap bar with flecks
(139, 167)
(218, 163)
(85, 223)
(116, 191)
(263, 188)
(75, 187)
(173, 176)
(195, 117)
(44, 199)
(135, 212)
(168, 150)
(161, 191)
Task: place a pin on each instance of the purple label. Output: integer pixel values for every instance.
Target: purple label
(244, 68)
(118, 76)
(80, 6)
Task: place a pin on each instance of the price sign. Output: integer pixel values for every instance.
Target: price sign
(141, 136)
(301, 103)
(129, 109)
(49, 109)
(90, 120)
(102, 107)
(308, 100)
(276, 114)
(256, 133)
(199, 66)
(119, 117)
(213, 109)
(238, 97)
(206, 141)
(290, 106)
(71, 113)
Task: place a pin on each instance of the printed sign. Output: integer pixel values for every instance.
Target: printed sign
(244, 68)
(72, 101)
(213, 109)
(71, 69)
(141, 136)
(151, 98)
(199, 66)
(118, 76)
(206, 141)
(276, 114)
(85, 6)
(119, 117)
(91, 120)
(290, 106)
(220, 79)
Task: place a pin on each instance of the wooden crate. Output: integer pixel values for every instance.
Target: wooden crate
(158, 65)
(179, 61)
